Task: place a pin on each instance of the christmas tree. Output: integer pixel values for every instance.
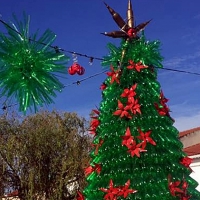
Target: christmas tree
(137, 154)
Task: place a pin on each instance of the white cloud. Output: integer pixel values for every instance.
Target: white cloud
(187, 122)
(181, 61)
(186, 116)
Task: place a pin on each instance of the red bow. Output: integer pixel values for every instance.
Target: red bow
(162, 108)
(186, 161)
(144, 136)
(128, 139)
(114, 75)
(134, 105)
(129, 92)
(136, 149)
(93, 125)
(123, 111)
(163, 100)
(96, 168)
(125, 191)
(96, 112)
(112, 192)
(103, 86)
(130, 143)
(174, 187)
(97, 146)
(137, 66)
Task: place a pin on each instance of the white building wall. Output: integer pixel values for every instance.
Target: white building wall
(195, 166)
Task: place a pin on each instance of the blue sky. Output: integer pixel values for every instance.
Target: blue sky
(78, 24)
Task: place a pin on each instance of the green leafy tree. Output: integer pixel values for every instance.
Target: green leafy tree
(44, 155)
(137, 154)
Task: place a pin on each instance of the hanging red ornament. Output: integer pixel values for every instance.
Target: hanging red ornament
(80, 70)
(76, 68)
(71, 71)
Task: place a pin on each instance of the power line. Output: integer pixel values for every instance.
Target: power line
(78, 82)
(57, 49)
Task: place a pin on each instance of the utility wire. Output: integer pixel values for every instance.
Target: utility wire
(57, 49)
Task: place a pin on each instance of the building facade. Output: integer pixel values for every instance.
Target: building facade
(191, 146)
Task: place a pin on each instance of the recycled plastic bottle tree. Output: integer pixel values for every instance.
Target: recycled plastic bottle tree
(137, 153)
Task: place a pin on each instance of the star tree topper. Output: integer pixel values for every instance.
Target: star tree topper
(128, 29)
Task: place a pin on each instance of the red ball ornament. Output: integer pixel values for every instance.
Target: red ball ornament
(76, 68)
(80, 71)
(71, 70)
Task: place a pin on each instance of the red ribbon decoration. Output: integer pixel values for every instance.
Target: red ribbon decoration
(123, 111)
(144, 136)
(185, 196)
(129, 92)
(178, 188)
(186, 161)
(103, 86)
(137, 66)
(97, 146)
(130, 143)
(80, 196)
(125, 191)
(128, 139)
(162, 109)
(112, 192)
(136, 150)
(96, 112)
(114, 75)
(96, 168)
(163, 100)
(93, 125)
(174, 187)
(134, 105)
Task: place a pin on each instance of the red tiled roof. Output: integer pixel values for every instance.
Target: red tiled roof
(187, 132)
(194, 149)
